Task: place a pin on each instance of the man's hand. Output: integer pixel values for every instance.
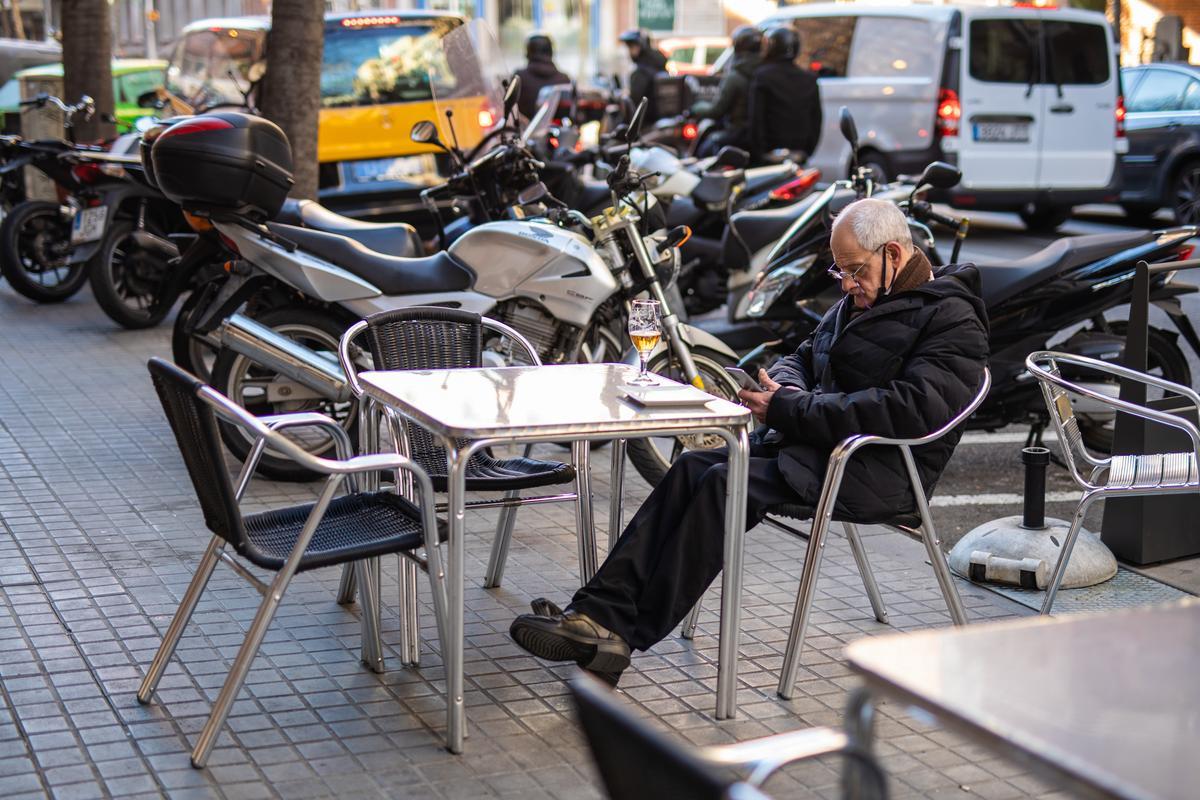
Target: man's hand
(757, 402)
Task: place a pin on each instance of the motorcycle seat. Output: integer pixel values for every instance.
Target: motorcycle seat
(390, 238)
(714, 188)
(1002, 281)
(760, 228)
(392, 275)
(594, 197)
(760, 179)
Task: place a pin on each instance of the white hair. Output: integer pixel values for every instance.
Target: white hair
(874, 223)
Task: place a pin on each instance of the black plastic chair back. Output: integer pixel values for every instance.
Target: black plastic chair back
(426, 337)
(195, 427)
(635, 761)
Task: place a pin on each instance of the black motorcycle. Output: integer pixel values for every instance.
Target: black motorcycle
(1056, 298)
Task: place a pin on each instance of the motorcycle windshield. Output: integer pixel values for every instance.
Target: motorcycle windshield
(552, 98)
(466, 77)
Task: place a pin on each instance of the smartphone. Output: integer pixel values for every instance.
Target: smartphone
(744, 380)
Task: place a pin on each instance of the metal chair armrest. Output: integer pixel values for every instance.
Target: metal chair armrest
(768, 754)
(516, 336)
(1112, 369)
(347, 363)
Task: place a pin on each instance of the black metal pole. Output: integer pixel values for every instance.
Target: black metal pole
(1036, 459)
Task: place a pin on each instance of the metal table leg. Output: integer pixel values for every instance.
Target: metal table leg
(731, 581)
(456, 567)
(617, 499)
(585, 528)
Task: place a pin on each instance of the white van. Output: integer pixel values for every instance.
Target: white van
(1026, 101)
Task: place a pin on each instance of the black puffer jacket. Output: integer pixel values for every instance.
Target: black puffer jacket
(785, 109)
(538, 74)
(902, 368)
(641, 82)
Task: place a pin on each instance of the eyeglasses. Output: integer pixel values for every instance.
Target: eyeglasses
(837, 273)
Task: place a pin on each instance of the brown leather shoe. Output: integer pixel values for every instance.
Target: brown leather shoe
(571, 636)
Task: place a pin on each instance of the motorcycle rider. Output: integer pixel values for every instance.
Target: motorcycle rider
(732, 104)
(648, 62)
(539, 72)
(785, 102)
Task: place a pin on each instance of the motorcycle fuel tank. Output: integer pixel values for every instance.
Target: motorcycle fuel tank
(537, 260)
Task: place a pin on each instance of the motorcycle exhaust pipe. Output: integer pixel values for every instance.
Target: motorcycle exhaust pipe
(264, 346)
(156, 245)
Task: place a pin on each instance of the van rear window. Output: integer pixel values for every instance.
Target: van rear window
(1004, 51)
(883, 49)
(1078, 52)
(825, 44)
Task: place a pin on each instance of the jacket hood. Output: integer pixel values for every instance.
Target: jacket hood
(746, 63)
(653, 59)
(957, 280)
(543, 67)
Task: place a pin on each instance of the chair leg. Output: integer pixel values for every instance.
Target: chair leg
(182, 615)
(616, 501)
(804, 602)
(864, 570)
(688, 629)
(933, 547)
(411, 633)
(508, 520)
(348, 586)
(372, 643)
(1060, 568)
(584, 524)
(241, 666)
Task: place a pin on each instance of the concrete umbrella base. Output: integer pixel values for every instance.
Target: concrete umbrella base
(1002, 551)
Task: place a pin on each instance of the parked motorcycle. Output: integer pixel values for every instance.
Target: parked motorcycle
(562, 280)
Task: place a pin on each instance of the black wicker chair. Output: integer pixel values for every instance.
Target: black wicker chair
(636, 762)
(357, 527)
(431, 337)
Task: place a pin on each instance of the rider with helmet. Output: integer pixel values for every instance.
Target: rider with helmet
(731, 108)
(648, 63)
(785, 102)
(539, 73)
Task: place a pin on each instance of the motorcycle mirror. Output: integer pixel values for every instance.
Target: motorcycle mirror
(940, 175)
(425, 132)
(849, 129)
(148, 99)
(532, 193)
(511, 93)
(635, 123)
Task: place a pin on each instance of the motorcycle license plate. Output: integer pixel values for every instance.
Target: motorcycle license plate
(1002, 131)
(405, 168)
(88, 225)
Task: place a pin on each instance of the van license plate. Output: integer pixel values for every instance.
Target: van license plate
(406, 168)
(1002, 131)
(88, 225)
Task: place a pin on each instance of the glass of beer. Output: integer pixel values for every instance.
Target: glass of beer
(645, 328)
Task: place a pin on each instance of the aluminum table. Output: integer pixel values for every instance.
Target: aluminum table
(1103, 706)
(575, 402)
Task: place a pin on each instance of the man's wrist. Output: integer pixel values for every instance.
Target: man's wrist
(777, 415)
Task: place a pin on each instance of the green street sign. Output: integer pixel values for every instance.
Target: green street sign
(656, 15)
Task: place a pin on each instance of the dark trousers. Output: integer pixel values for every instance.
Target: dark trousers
(674, 546)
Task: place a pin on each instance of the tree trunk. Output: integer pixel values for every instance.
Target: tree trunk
(291, 88)
(87, 63)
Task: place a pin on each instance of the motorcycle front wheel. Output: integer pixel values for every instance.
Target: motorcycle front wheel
(127, 279)
(35, 242)
(653, 457)
(262, 391)
(192, 351)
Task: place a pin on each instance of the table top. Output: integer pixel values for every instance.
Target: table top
(1108, 703)
(570, 400)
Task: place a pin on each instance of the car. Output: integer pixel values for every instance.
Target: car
(1024, 100)
(375, 84)
(692, 55)
(132, 77)
(1162, 121)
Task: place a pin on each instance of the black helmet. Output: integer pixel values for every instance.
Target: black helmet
(636, 36)
(539, 45)
(747, 39)
(783, 43)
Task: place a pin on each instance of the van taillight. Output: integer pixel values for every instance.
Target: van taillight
(949, 112)
(1120, 114)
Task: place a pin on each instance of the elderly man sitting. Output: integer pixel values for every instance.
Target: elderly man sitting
(898, 356)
